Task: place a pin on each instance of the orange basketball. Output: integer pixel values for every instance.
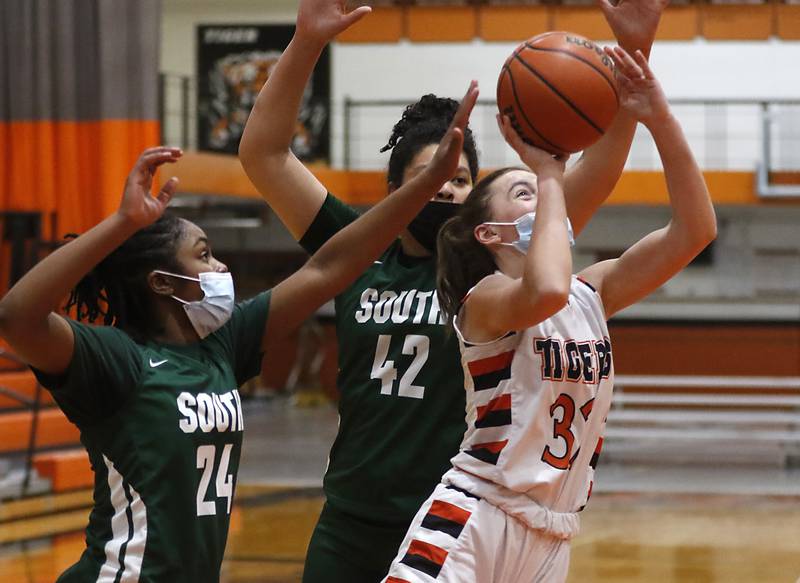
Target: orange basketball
(559, 91)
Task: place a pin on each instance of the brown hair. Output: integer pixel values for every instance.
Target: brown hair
(462, 261)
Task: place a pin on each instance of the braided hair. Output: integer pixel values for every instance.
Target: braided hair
(423, 123)
(117, 289)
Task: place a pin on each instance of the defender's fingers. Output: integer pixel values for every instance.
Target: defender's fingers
(461, 117)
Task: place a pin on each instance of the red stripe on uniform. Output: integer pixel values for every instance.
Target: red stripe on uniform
(396, 580)
(491, 364)
(449, 512)
(599, 446)
(503, 402)
(492, 446)
(431, 552)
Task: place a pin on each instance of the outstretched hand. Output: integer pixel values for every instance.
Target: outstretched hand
(538, 160)
(634, 22)
(445, 161)
(319, 21)
(640, 93)
(138, 205)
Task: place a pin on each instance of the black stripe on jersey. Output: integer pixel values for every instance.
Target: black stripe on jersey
(492, 379)
(432, 522)
(129, 515)
(487, 452)
(587, 284)
(463, 491)
(494, 419)
(422, 564)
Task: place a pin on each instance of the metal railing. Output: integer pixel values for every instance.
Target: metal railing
(725, 134)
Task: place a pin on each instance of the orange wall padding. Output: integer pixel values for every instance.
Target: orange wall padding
(512, 23)
(586, 21)
(729, 22)
(516, 23)
(76, 169)
(787, 21)
(441, 23)
(381, 25)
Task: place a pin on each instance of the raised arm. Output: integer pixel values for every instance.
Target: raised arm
(500, 303)
(663, 253)
(348, 253)
(589, 182)
(28, 322)
(286, 184)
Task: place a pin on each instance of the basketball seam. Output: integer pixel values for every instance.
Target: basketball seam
(574, 56)
(524, 115)
(561, 95)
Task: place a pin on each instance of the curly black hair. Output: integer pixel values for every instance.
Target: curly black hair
(423, 123)
(116, 290)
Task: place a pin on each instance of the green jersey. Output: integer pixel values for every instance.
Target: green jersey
(163, 428)
(402, 403)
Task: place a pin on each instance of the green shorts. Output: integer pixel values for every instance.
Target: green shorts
(347, 549)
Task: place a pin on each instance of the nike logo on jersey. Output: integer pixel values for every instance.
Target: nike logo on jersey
(155, 364)
(420, 306)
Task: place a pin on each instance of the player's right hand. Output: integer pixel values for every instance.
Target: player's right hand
(319, 21)
(539, 161)
(445, 161)
(138, 205)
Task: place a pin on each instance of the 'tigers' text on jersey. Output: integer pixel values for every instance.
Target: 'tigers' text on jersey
(210, 411)
(379, 307)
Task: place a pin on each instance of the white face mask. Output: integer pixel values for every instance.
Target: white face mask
(524, 227)
(214, 310)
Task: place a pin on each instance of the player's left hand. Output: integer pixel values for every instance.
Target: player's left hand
(634, 22)
(640, 93)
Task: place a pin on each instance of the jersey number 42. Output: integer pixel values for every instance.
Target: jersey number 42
(384, 370)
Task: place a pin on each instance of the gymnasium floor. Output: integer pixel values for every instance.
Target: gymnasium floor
(702, 524)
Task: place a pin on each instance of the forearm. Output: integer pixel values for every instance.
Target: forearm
(692, 211)
(592, 179)
(271, 125)
(50, 281)
(548, 265)
(355, 247)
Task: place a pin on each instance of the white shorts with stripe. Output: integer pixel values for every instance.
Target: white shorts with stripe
(458, 538)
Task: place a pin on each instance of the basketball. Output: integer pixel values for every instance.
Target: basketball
(558, 90)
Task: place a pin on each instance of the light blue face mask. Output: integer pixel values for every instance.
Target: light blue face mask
(524, 227)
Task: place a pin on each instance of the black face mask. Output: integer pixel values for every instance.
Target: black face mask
(425, 226)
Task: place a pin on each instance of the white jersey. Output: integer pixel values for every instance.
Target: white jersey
(529, 396)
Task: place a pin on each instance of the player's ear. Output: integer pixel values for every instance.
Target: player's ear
(486, 234)
(160, 284)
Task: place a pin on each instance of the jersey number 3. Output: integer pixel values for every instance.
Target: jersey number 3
(562, 430)
(385, 371)
(223, 482)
